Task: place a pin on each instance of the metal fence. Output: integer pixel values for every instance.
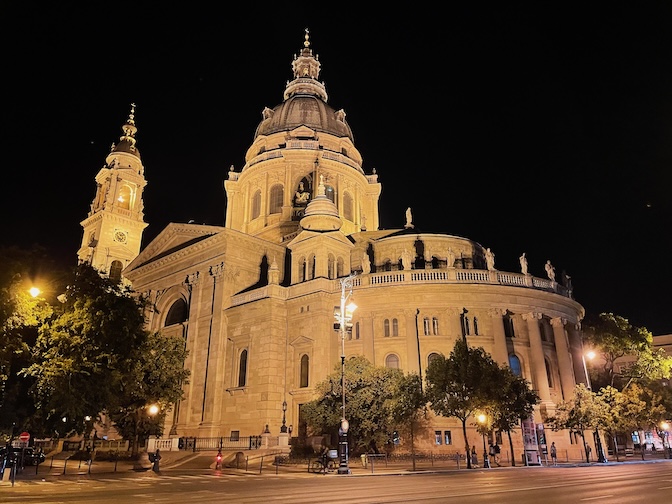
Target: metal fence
(220, 443)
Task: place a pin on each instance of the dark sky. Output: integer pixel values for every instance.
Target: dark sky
(534, 127)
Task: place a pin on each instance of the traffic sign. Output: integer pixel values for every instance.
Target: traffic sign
(24, 436)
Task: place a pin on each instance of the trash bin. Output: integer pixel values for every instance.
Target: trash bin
(363, 457)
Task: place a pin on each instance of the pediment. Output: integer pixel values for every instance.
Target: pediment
(301, 341)
(173, 238)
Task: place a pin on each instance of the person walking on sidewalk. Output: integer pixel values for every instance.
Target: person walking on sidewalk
(554, 453)
(155, 462)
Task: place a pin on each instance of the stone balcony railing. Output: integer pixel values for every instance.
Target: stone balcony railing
(401, 277)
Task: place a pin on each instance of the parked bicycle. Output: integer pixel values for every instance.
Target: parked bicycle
(324, 464)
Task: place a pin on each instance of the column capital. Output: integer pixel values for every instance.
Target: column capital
(527, 317)
(496, 312)
(558, 322)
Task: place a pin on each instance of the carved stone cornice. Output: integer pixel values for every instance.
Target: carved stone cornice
(496, 312)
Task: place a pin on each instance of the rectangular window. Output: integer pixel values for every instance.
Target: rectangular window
(448, 438)
(437, 437)
(235, 435)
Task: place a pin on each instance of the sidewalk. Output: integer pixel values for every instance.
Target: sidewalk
(258, 463)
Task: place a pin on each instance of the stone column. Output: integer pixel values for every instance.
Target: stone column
(537, 361)
(413, 341)
(576, 349)
(564, 360)
(499, 351)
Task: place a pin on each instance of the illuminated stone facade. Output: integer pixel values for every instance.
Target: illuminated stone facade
(255, 299)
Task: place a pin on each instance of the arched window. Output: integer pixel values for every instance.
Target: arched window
(177, 313)
(392, 361)
(549, 375)
(339, 267)
(304, 371)
(475, 326)
(256, 204)
(242, 369)
(277, 195)
(435, 326)
(332, 267)
(330, 193)
(467, 330)
(124, 197)
(310, 268)
(386, 328)
(115, 271)
(425, 323)
(395, 327)
(347, 207)
(302, 269)
(431, 357)
(514, 364)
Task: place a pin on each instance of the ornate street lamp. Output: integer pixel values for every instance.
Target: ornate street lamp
(284, 420)
(344, 316)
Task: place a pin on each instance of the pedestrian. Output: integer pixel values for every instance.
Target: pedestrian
(497, 454)
(554, 453)
(474, 457)
(157, 458)
(590, 451)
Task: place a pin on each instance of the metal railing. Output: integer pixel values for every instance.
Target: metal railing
(220, 443)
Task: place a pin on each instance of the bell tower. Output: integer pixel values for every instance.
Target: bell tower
(113, 229)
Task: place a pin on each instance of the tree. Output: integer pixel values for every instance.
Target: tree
(515, 402)
(580, 413)
(462, 384)
(96, 356)
(614, 337)
(20, 315)
(369, 393)
(407, 407)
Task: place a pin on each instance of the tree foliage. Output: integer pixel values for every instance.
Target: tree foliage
(96, 356)
(377, 400)
(463, 384)
(515, 402)
(20, 315)
(583, 411)
(613, 337)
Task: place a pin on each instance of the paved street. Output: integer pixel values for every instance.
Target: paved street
(625, 483)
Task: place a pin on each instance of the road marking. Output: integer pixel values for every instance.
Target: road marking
(596, 498)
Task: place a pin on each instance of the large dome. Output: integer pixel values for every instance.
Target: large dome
(305, 102)
(304, 110)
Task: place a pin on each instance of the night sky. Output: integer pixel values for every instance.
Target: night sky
(535, 127)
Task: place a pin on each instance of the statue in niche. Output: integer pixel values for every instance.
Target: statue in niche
(302, 196)
(406, 259)
(366, 264)
(451, 258)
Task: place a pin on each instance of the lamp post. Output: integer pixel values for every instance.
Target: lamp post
(345, 316)
(665, 427)
(482, 419)
(284, 420)
(601, 458)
